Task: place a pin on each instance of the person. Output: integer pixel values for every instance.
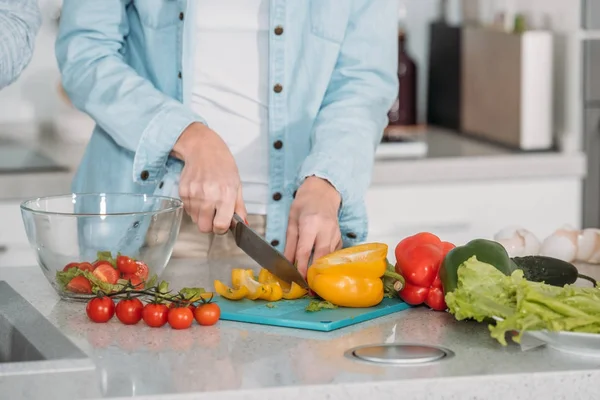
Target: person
(271, 109)
(20, 21)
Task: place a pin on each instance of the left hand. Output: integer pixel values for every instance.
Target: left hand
(313, 223)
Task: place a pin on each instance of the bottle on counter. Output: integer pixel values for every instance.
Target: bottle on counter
(404, 110)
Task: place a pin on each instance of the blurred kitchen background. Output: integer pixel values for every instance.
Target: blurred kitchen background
(498, 108)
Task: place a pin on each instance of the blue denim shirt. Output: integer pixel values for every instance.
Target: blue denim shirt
(129, 65)
(19, 23)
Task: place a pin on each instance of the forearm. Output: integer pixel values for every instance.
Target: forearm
(19, 23)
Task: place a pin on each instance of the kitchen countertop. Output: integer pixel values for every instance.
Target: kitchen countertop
(244, 361)
(450, 157)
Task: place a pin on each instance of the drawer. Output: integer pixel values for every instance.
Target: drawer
(12, 230)
(459, 212)
(591, 56)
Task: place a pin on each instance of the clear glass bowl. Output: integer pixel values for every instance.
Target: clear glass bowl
(89, 228)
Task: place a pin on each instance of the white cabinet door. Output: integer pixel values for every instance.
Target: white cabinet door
(459, 212)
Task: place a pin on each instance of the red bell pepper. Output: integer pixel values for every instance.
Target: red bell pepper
(418, 260)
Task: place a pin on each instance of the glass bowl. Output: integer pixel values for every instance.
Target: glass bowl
(81, 235)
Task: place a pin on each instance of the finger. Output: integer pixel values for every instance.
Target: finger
(240, 206)
(224, 214)
(206, 215)
(339, 244)
(184, 196)
(306, 243)
(291, 239)
(324, 242)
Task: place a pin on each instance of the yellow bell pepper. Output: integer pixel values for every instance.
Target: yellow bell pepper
(351, 277)
(230, 293)
(289, 292)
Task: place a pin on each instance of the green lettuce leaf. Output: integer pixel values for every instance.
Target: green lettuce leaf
(484, 293)
(64, 277)
(318, 305)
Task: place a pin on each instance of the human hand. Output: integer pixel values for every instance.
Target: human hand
(313, 223)
(210, 184)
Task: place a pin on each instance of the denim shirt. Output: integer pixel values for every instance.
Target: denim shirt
(332, 70)
(19, 23)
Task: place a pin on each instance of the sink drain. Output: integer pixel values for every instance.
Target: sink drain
(399, 354)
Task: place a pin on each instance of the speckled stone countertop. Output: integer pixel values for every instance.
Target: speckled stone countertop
(244, 361)
(450, 157)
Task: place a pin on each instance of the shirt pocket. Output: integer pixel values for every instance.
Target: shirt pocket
(158, 14)
(329, 19)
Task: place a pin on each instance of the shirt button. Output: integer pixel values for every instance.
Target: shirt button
(278, 30)
(294, 195)
(277, 196)
(351, 235)
(278, 144)
(277, 88)
(181, 16)
(160, 185)
(274, 242)
(145, 175)
(179, 75)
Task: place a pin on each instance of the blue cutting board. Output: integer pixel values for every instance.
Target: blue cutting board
(292, 314)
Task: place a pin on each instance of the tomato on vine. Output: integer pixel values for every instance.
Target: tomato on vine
(180, 317)
(129, 311)
(207, 314)
(155, 315)
(100, 309)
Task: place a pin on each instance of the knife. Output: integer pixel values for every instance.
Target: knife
(264, 254)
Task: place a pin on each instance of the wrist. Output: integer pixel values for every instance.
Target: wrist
(189, 139)
(324, 189)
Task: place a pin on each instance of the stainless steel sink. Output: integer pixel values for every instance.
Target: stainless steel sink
(36, 360)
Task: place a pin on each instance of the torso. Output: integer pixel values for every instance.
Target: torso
(230, 86)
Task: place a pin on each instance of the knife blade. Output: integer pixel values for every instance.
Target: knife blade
(264, 254)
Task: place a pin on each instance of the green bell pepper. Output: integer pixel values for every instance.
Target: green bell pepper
(486, 251)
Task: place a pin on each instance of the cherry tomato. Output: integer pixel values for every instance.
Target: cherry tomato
(85, 266)
(100, 309)
(126, 265)
(155, 315)
(135, 280)
(180, 318)
(207, 314)
(129, 311)
(106, 273)
(190, 306)
(69, 266)
(100, 262)
(142, 270)
(79, 284)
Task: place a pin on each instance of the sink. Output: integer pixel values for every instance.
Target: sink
(36, 359)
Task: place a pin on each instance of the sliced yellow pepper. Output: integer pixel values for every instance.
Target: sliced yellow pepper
(350, 277)
(289, 292)
(230, 293)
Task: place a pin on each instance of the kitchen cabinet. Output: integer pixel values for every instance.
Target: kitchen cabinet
(14, 246)
(591, 14)
(461, 211)
(591, 56)
(591, 189)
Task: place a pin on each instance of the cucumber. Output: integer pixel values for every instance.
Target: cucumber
(549, 270)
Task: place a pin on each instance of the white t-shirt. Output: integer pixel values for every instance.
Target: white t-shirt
(231, 86)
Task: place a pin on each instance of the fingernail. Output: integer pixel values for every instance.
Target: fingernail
(246, 221)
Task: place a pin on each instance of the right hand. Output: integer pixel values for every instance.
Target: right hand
(210, 184)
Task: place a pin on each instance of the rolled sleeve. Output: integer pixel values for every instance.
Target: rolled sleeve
(20, 21)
